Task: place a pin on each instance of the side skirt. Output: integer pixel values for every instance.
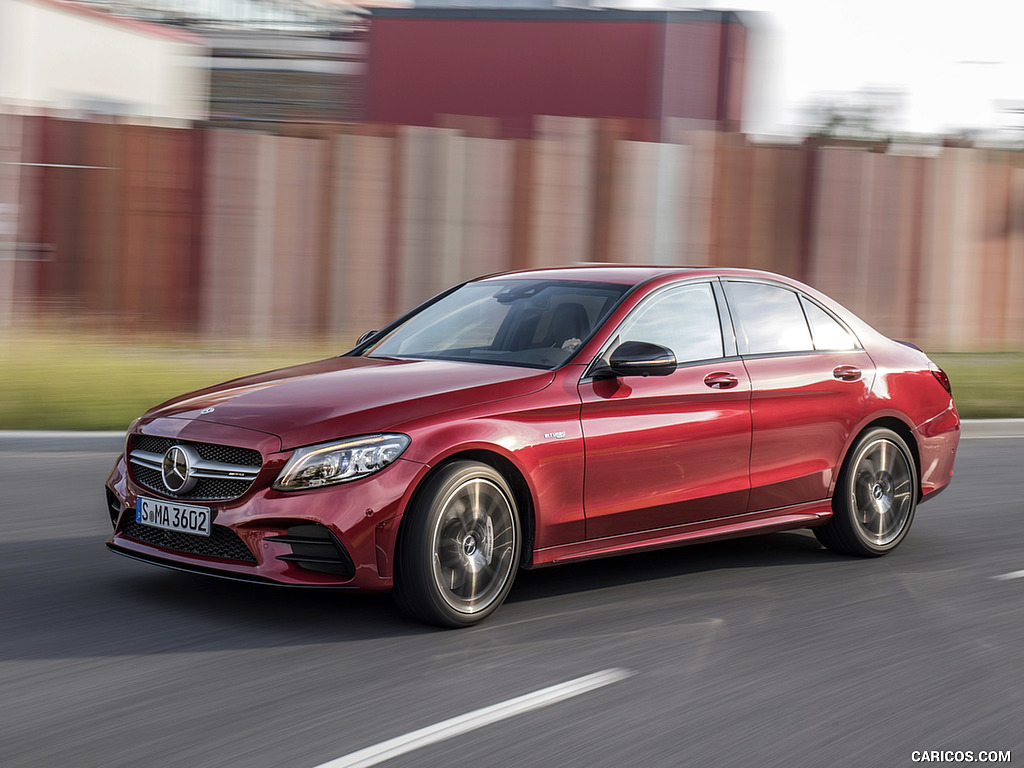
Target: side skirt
(786, 518)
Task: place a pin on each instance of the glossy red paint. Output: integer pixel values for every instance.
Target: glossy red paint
(267, 513)
(349, 396)
(597, 463)
(664, 451)
(801, 516)
(802, 416)
(905, 390)
(539, 436)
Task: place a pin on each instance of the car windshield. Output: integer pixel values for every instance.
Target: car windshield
(532, 323)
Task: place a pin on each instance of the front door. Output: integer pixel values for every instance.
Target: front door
(662, 451)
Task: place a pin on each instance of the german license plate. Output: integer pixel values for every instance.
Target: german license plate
(172, 516)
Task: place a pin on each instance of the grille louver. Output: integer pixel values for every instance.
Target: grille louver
(315, 549)
(233, 469)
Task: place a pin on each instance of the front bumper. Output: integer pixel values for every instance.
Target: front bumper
(362, 518)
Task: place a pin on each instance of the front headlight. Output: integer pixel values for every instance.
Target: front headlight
(331, 463)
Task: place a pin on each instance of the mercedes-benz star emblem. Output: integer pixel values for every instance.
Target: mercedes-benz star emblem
(176, 469)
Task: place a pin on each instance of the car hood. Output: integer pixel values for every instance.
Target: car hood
(344, 396)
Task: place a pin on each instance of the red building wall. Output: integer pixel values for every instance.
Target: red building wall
(702, 72)
(513, 65)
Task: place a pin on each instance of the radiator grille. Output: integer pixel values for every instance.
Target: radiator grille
(211, 451)
(209, 489)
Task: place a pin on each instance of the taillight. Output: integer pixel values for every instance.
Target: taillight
(942, 378)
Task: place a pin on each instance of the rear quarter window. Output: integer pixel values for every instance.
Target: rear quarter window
(828, 332)
(768, 319)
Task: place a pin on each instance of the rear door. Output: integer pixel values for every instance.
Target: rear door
(810, 381)
(667, 450)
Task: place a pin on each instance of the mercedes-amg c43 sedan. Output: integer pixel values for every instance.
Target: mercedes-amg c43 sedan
(542, 417)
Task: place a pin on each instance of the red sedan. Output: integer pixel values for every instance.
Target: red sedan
(542, 417)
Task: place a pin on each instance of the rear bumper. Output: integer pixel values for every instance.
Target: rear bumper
(937, 441)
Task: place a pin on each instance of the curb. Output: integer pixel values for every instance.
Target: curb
(979, 428)
(53, 441)
(45, 441)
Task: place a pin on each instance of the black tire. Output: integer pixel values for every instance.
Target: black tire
(875, 497)
(458, 549)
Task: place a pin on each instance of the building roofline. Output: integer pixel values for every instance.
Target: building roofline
(556, 14)
(145, 27)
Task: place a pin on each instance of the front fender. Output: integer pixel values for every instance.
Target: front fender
(540, 435)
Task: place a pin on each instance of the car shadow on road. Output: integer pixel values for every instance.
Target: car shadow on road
(763, 551)
(73, 599)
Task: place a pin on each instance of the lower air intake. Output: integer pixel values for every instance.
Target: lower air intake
(222, 543)
(315, 548)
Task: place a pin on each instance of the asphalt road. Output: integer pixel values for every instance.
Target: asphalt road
(760, 652)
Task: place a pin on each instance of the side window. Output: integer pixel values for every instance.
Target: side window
(768, 319)
(684, 319)
(826, 330)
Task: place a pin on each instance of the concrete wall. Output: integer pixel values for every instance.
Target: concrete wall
(56, 55)
(246, 235)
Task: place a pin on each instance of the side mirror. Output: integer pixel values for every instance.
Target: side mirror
(365, 337)
(641, 358)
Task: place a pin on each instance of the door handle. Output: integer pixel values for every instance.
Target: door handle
(721, 380)
(846, 373)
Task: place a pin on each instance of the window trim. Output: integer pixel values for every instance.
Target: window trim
(801, 297)
(804, 298)
(728, 345)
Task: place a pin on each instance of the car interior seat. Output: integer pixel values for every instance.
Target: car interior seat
(569, 321)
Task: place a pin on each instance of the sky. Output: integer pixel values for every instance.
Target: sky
(951, 60)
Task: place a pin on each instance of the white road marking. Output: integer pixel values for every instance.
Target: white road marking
(1008, 576)
(470, 721)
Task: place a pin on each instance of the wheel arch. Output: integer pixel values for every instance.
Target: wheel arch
(846, 531)
(523, 496)
(902, 429)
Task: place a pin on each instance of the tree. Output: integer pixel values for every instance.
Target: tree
(870, 113)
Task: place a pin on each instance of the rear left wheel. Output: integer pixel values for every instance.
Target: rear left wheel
(459, 549)
(875, 497)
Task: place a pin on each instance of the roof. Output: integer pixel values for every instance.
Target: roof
(632, 274)
(619, 274)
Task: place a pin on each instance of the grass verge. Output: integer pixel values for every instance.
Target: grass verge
(54, 381)
(986, 386)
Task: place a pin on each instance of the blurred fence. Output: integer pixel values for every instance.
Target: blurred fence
(337, 229)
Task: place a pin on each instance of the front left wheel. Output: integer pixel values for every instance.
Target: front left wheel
(458, 551)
